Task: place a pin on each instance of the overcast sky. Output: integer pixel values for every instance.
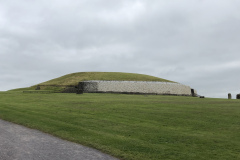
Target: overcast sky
(193, 42)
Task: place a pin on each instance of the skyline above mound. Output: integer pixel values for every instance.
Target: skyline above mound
(75, 78)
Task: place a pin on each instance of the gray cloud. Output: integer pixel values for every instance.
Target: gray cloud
(192, 42)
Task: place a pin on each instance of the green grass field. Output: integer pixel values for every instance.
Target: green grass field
(133, 126)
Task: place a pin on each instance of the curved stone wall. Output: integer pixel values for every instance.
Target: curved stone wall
(141, 87)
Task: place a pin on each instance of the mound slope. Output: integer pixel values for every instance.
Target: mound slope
(73, 79)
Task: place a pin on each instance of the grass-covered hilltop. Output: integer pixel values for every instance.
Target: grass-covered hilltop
(73, 79)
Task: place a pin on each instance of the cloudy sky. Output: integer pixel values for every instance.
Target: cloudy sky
(193, 42)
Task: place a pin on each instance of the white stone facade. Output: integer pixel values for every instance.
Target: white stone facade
(143, 87)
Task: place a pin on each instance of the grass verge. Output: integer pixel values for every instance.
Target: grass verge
(133, 126)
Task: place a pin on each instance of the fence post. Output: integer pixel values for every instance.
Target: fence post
(238, 96)
(229, 96)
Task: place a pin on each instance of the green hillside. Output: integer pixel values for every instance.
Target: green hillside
(74, 78)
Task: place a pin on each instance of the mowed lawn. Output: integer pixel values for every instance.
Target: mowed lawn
(133, 126)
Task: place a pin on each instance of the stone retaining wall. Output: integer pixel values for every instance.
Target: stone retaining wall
(141, 87)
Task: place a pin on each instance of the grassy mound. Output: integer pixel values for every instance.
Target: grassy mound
(74, 78)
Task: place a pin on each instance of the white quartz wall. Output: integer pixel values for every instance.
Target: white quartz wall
(142, 87)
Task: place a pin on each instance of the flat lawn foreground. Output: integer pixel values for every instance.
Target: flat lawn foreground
(134, 127)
